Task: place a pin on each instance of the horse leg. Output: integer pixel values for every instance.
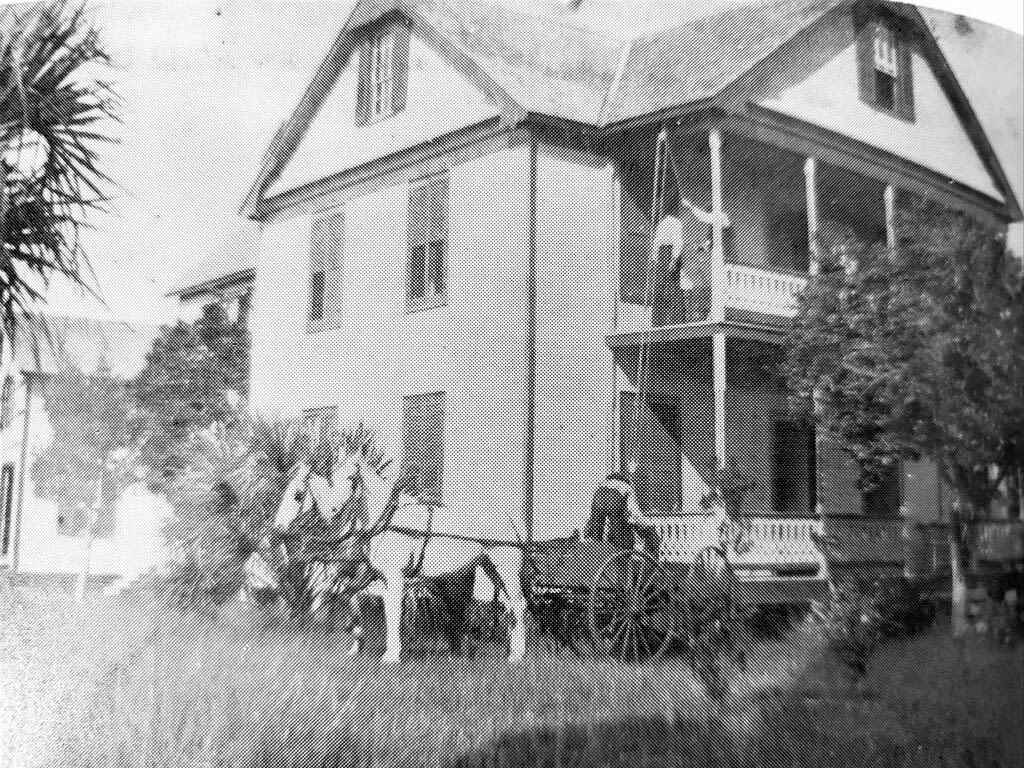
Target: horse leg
(393, 595)
(509, 563)
(355, 625)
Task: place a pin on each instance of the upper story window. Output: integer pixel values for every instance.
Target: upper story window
(381, 75)
(426, 280)
(383, 72)
(886, 78)
(7, 402)
(326, 245)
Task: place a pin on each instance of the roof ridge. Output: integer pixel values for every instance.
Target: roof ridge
(716, 14)
(541, 19)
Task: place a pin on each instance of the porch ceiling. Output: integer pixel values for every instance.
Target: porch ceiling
(668, 334)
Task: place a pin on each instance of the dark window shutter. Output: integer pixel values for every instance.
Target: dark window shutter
(423, 443)
(400, 66)
(866, 62)
(363, 84)
(905, 82)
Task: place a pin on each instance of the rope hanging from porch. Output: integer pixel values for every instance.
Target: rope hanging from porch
(657, 209)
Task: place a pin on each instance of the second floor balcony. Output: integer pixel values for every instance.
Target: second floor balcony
(733, 227)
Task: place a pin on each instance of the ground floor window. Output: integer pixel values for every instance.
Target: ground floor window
(886, 497)
(651, 435)
(793, 481)
(6, 507)
(423, 420)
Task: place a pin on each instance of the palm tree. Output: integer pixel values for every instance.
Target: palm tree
(53, 113)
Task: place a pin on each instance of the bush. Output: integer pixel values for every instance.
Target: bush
(225, 499)
(773, 622)
(862, 616)
(849, 625)
(902, 611)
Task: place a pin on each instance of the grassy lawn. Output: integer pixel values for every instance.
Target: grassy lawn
(114, 683)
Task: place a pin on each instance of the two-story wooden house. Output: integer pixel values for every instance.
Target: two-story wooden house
(461, 242)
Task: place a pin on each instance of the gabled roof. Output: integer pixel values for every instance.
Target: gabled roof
(579, 67)
(694, 61)
(232, 262)
(60, 340)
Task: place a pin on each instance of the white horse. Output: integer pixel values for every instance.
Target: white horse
(304, 493)
(388, 521)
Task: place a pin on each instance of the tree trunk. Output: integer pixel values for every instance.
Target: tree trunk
(83, 574)
(958, 591)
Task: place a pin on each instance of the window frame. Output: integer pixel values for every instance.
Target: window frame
(438, 400)
(429, 234)
(381, 85)
(884, 53)
(7, 402)
(326, 272)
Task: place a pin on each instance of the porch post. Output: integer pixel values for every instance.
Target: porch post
(718, 352)
(814, 267)
(811, 191)
(890, 215)
(717, 313)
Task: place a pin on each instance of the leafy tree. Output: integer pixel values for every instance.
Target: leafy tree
(83, 468)
(187, 384)
(53, 110)
(918, 351)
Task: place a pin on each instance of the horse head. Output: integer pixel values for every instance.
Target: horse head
(297, 497)
(365, 488)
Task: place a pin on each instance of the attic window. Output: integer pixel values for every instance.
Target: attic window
(381, 75)
(885, 70)
(383, 72)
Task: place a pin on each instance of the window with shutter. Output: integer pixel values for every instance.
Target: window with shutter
(886, 77)
(7, 403)
(423, 444)
(383, 73)
(427, 271)
(794, 470)
(6, 507)
(320, 419)
(325, 272)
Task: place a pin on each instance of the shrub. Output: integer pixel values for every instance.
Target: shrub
(225, 499)
(849, 625)
(902, 611)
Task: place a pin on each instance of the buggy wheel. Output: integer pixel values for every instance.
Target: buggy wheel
(631, 610)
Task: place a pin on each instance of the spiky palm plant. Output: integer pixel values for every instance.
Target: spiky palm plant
(226, 497)
(54, 112)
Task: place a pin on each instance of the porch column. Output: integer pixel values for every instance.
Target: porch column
(717, 313)
(890, 215)
(718, 353)
(814, 267)
(811, 190)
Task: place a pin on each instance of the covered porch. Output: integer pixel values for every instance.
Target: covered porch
(727, 222)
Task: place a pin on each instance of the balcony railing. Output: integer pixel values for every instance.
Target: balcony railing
(783, 544)
(769, 541)
(761, 290)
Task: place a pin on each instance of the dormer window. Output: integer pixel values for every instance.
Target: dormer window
(383, 71)
(381, 74)
(885, 69)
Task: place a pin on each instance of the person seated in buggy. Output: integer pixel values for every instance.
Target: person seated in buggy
(615, 516)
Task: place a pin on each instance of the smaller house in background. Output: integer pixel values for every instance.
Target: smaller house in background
(225, 276)
(37, 541)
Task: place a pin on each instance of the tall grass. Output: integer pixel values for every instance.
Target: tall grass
(140, 688)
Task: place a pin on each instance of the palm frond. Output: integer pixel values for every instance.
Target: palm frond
(46, 93)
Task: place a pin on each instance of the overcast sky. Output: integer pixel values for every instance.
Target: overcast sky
(204, 85)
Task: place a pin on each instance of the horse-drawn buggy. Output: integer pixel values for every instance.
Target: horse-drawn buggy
(358, 533)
